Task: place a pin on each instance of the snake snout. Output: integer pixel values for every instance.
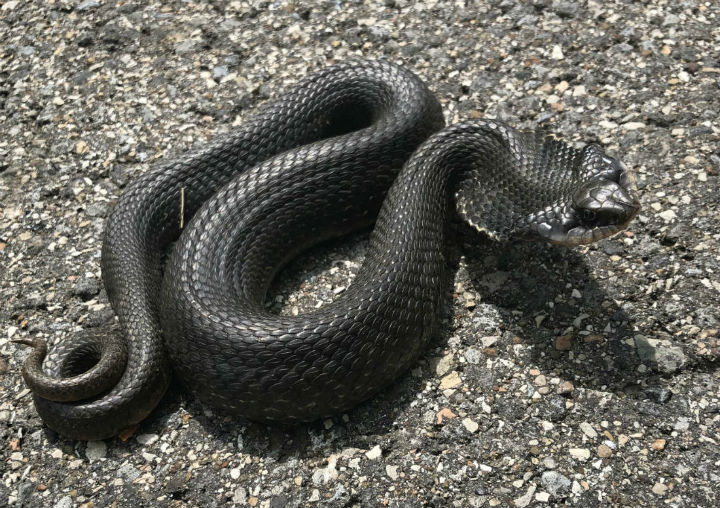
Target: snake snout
(601, 208)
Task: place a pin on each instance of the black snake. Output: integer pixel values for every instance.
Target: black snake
(319, 162)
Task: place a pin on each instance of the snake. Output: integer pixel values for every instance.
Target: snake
(192, 246)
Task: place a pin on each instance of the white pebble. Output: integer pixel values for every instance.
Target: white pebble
(581, 454)
(147, 439)
(470, 425)
(374, 453)
(588, 430)
(633, 126)
(668, 215)
(96, 450)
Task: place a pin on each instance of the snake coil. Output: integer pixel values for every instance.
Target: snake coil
(319, 162)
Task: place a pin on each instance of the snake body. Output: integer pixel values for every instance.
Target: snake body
(319, 162)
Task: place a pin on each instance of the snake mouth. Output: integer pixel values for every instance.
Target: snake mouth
(599, 208)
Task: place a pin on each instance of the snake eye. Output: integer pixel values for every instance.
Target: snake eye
(588, 215)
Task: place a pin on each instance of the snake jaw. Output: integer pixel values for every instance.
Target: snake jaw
(600, 208)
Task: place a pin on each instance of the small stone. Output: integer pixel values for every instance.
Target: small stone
(524, 500)
(279, 501)
(392, 472)
(659, 444)
(8, 6)
(633, 126)
(563, 343)
(660, 489)
(219, 72)
(81, 147)
(667, 215)
(186, 46)
(473, 356)
(542, 497)
(659, 395)
(452, 380)
(490, 341)
(557, 53)
(470, 425)
(235, 473)
(444, 365)
(374, 453)
(46, 115)
(239, 496)
(604, 451)
(565, 388)
(327, 474)
(147, 439)
(96, 210)
(87, 5)
(593, 338)
(65, 501)
(444, 413)
(682, 424)
(582, 454)
(549, 463)
(96, 450)
(84, 39)
(86, 288)
(588, 430)
(667, 358)
(555, 483)
(127, 471)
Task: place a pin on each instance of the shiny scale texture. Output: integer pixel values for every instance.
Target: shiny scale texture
(317, 163)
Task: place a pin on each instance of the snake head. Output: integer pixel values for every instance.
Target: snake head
(601, 204)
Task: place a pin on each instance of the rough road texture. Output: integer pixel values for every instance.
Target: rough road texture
(584, 377)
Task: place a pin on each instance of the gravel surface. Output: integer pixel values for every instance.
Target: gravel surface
(585, 377)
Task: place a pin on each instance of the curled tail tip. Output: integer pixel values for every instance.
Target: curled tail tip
(33, 343)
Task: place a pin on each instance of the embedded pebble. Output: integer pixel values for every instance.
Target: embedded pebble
(580, 453)
(470, 425)
(555, 483)
(374, 453)
(147, 439)
(588, 430)
(96, 450)
(452, 380)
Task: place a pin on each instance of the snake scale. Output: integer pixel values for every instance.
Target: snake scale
(353, 144)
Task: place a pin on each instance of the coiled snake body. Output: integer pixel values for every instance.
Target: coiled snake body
(319, 162)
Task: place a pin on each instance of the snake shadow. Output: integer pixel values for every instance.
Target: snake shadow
(550, 299)
(547, 298)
